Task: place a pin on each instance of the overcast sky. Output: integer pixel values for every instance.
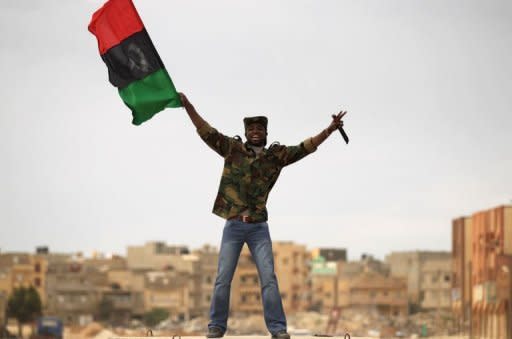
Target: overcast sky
(428, 87)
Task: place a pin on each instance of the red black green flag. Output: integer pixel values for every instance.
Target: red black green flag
(133, 63)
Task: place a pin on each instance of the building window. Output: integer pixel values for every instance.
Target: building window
(37, 267)
(446, 278)
(244, 298)
(37, 282)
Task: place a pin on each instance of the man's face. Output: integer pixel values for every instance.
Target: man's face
(256, 134)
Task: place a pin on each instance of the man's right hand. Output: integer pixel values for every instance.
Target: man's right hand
(191, 111)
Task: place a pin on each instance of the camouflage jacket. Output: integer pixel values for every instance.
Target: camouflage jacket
(247, 178)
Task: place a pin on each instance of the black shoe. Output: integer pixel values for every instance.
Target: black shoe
(214, 332)
(281, 335)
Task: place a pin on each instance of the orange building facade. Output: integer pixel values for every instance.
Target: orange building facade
(461, 277)
(491, 239)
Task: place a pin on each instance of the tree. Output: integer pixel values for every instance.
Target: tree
(155, 316)
(25, 305)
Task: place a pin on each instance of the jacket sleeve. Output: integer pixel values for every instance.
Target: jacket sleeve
(287, 155)
(216, 140)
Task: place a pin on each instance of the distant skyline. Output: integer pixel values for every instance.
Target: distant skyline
(426, 85)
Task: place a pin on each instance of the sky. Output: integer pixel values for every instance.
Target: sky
(427, 86)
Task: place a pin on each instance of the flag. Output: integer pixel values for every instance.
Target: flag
(133, 63)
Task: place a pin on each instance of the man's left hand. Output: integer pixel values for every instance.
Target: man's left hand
(336, 121)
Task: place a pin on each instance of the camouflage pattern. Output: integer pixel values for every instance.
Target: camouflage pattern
(247, 178)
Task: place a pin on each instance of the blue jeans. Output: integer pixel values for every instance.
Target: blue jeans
(257, 237)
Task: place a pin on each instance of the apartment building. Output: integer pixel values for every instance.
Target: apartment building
(461, 272)
(370, 290)
(74, 290)
(208, 259)
(155, 255)
(291, 263)
(168, 290)
(436, 284)
(245, 288)
(411, 265)
(23, 269)
(123, 305)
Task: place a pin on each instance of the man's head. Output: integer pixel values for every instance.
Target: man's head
(256, 130)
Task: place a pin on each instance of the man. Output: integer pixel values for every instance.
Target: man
(250, 172)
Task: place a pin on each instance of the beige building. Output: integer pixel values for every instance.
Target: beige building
(208, 259)
(291, 264)
(410, 265)
(123, 305)
(126, 280)
(74, 290)
(436, 284)
(170, 291)
(363, 284)
(372, 290)
(155, 255)
(245, 288)
(22, 269)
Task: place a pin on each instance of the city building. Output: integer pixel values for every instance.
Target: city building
(155, 255)
(410, 265)
(168, 290)
(121, 306)
(324, 283)
(370, 290)
(208, 259)
(245, 287)
(291, 264)
(436, 284)
(74, 290)
(23, 269)
(491, 246)
(461, 275)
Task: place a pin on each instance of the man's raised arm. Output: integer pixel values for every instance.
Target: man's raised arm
(334, 125)
(217, 141)
(197, 120)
